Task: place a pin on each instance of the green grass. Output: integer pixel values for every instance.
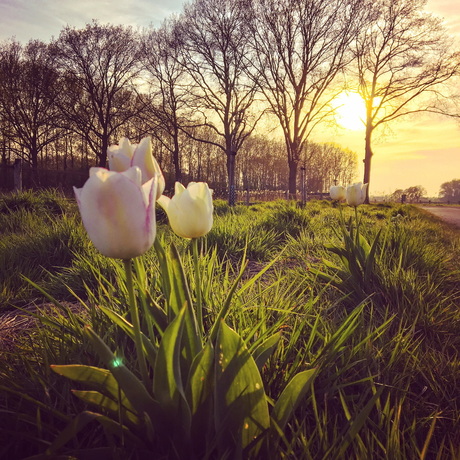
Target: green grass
(387, 354)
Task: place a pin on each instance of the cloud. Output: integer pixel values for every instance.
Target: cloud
(42, 19)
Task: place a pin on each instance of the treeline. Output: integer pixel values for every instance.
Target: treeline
(211, 87)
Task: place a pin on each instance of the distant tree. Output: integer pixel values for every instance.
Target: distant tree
(403, 55)
(215, 55)
(99, 66)
(162, 54)
(396, 196)
(301, 48)
(330, 164)
(262, 165)
(29, 87)
(415, 193)
(450, 191)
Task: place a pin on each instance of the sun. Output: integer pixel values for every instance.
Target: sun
(350, 111)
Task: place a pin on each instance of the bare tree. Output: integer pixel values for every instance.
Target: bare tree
(263, 165)
(162, 59)
(403, 62)
(450, 191)
(300, 48)
(415, 193)
(215, 46)
(100, 64)
(28, 92)
(329, 164)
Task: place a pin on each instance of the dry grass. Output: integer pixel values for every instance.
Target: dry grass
(21, 322)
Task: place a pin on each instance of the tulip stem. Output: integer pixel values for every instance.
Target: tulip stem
(357, 224)
(135, 320)
(199, 306)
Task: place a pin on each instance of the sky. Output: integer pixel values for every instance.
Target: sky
(421, 151)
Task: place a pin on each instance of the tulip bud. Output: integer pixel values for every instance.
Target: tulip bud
(338, 192)
(356, 194)
(190, 209)
(118, 212)
(120, 155)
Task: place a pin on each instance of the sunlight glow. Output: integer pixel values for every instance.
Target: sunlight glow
(350, 111)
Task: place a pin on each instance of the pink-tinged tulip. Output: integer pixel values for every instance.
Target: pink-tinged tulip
(118, 212)
(125, 155)
(338, 192)
(189, 210)
(356, 194)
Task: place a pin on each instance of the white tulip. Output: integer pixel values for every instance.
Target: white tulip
(356, 194)
(124, 155)
(338, 192)
(120, 155)
(118, 212)
(190, 210)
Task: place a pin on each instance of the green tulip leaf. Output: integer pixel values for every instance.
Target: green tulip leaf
(199, 393)
(364, 245)
(133, 388)
(241, 408)
(369, 267)
(147, 346)
(167, 380)
(291, 397)
(265, 350)
(181, 293)
(156, 313)
(200, 382)
(100, 379)
(164, 269)
(101, 401)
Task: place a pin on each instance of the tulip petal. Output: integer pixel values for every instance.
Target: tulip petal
(164, 202)
(179, 188)
(144, 159)
(120, 155)
(115, 213)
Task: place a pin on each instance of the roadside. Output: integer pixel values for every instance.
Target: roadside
(449, 214)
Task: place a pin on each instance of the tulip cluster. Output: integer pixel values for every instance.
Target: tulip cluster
(118, 205)
(354, 194)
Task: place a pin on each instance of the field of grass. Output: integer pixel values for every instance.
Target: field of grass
(383, 337)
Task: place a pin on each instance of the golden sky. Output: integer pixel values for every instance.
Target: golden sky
(422, 150)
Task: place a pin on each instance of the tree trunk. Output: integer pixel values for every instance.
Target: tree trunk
(293, 178)
(102, 157)
(231, 155)
(34, 158)
(368, 149)
(367, 163)
(176, 162)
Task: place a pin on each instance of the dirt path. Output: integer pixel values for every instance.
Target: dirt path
(448, 214)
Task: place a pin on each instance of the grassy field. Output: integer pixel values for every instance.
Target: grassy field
(383, 336)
